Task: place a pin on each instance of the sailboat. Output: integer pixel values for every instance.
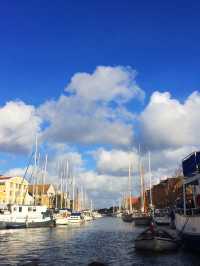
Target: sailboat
(142, 218)
(127, 216)
(63, 213)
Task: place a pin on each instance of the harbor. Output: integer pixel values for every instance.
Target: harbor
(133, 233)
(106, 240)
(99, 137)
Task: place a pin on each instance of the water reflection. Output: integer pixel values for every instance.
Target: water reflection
(107, 240)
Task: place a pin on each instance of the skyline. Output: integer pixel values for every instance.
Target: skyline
(95, 87)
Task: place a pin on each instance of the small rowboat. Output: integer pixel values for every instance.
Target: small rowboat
(156, 240)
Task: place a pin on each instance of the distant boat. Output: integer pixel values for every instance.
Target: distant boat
(62, 217)
(127, 217)
(96, 215)
(76, 218)
(87, 216)
(26, 216)
(119, 214)
(142, 219)
(156, 241)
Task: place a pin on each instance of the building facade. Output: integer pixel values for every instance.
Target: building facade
(14, 190)
(43, 194)
(166, 192)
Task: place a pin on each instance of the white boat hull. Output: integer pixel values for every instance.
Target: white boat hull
(23, 216)
(62, 221)
(188, 228)
(75, 221)
(88, 218)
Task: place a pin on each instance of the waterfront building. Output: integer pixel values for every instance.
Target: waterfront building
(14, 190)
(43, 194)
(166, 192)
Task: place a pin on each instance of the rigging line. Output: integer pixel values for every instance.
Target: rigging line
(27, 168)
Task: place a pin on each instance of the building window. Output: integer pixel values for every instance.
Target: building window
(29, 209)
(20, 209)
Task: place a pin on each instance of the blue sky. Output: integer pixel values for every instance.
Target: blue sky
(45, 43)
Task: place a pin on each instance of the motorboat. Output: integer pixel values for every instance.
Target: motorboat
(76, 218)
(26, 216)
(119, 214)
(96, 215)
(87, 215)
(156, 240)
(62, 217)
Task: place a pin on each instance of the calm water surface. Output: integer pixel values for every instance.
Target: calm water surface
(107, 240)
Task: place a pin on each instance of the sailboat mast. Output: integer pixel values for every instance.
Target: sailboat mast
(142, 186)
(66, 184)
(91, 205)
(73, 192)
(150, 181)
(35, 170)
(61, 185)
(44, 174)
(130, 196)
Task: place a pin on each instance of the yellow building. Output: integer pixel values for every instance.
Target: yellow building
(14, 190)
(43, 194)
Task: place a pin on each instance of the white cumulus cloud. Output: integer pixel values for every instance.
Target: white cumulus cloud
(19, 124)
(166, 122)
(106, 84)
(93, 111)
(116, 162)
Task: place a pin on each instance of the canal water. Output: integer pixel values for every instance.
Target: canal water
(107, 240)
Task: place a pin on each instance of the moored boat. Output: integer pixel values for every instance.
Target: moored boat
(87, 216)
(187, 216)
(96, 215)
(142, 220)
(62, 217)
(127, 217)
(156, 241)
(26, 216)
(76, 218)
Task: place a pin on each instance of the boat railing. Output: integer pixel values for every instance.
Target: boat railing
(191, 211)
